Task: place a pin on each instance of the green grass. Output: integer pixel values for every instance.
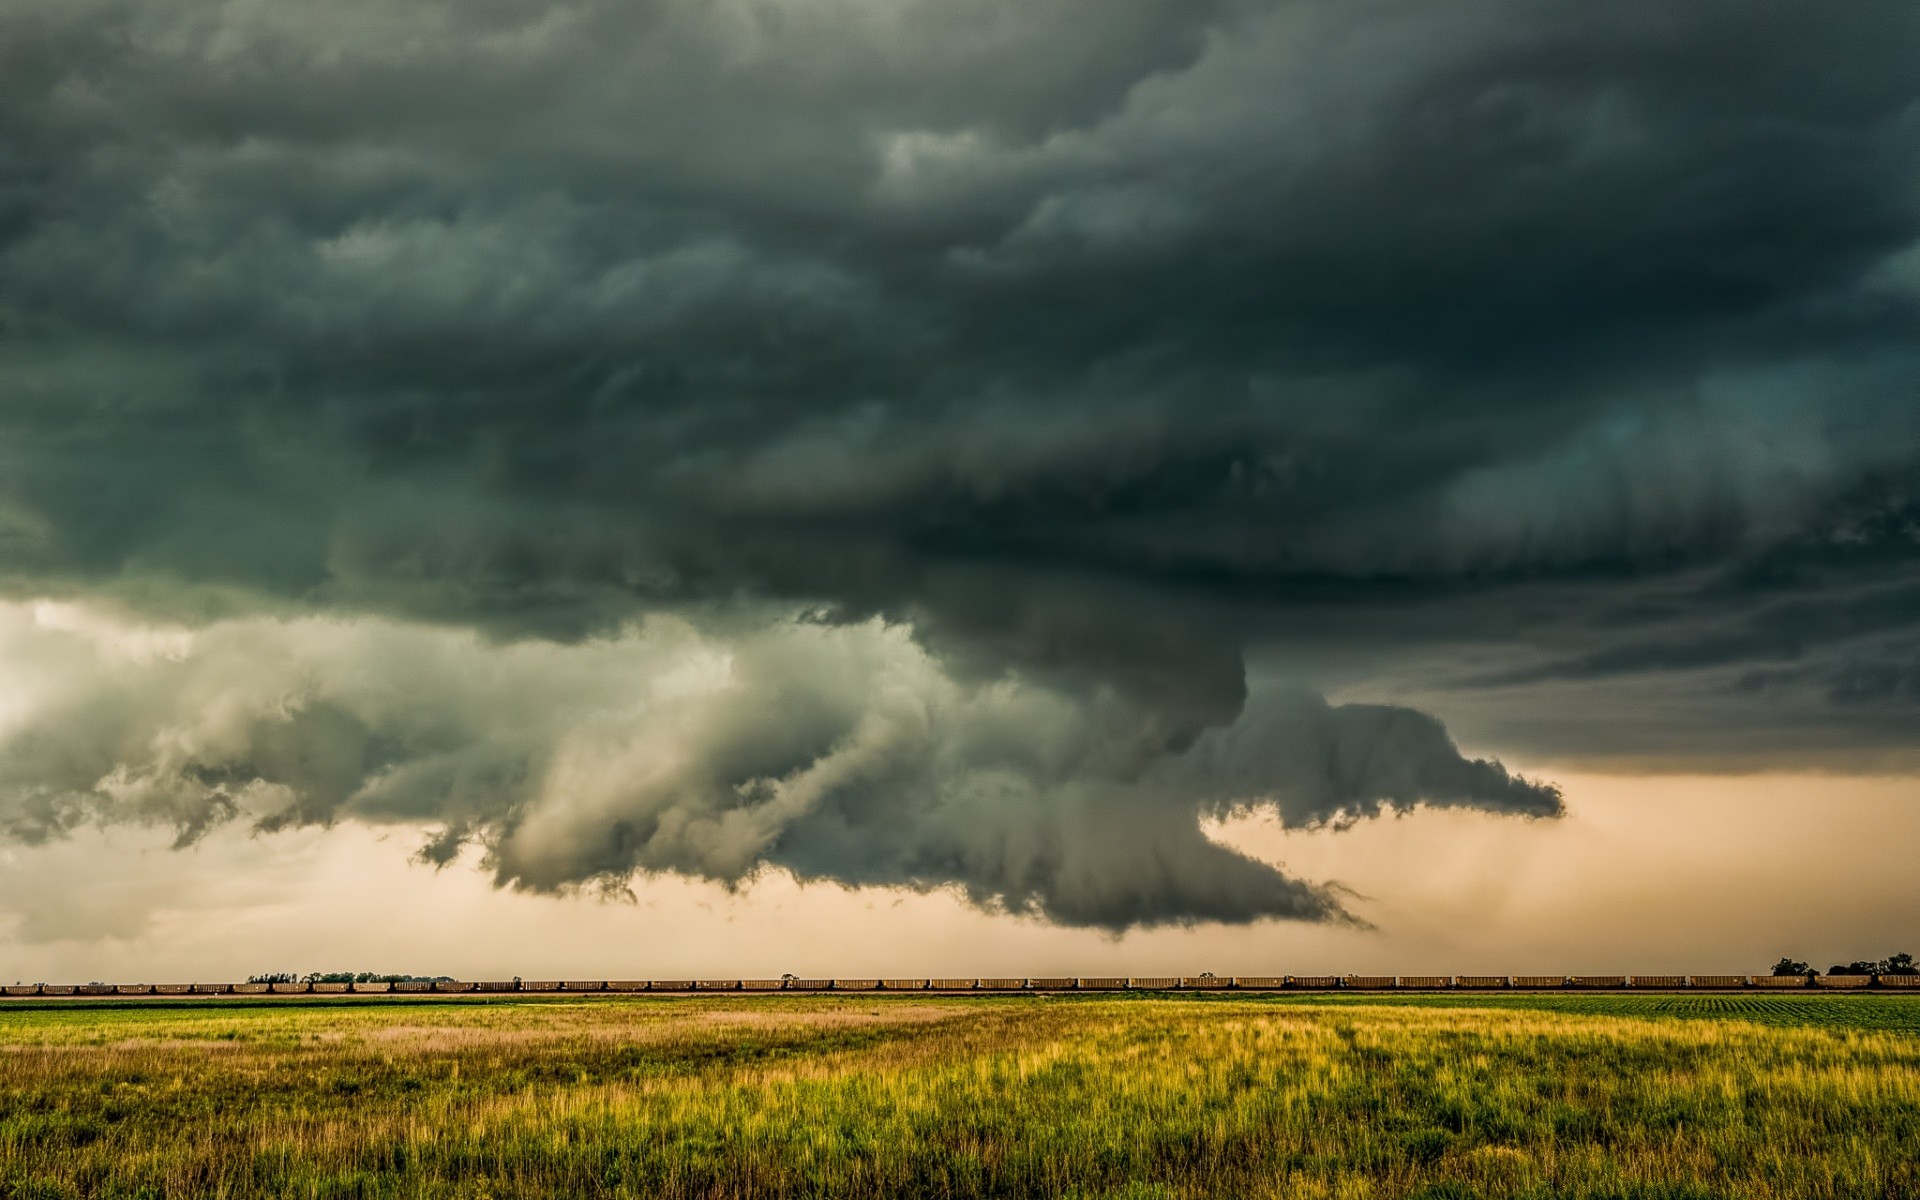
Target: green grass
(1614, 1097)
(1897, 1013)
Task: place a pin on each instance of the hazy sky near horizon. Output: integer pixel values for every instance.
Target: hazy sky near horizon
(1692, 874)
(1077, 480)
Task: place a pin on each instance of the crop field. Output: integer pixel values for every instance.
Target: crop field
(1440, 1098)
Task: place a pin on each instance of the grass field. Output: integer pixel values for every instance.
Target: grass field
(1899, 1013)
(1650, 1097)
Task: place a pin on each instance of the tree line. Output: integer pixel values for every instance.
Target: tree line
(1893, 964)
(342, 977)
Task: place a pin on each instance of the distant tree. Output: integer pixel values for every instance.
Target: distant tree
(1893, 964)
(345, 977)
(1792, 966)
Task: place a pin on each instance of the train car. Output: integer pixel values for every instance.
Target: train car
(1717, 981)
(1482, 981)
(856, 985)
(952, 985)
(21, 989)
(1370, 983)
(716, 985)
(248, 989)
(496, 987)
(59, 989)
(133, 989)
(211, 989)
(1317, 983)
(1842, 981)
(583, 985)
(1205, 983)
(289, 989)
(1259, 983)
(1152, 983)
(1657, 981)
(999, 985)
(371, 987)
(1597, 981)
(1426, 983)
(762, 985)
(1054, 984)
(410, 987)
(93, 989)
(628, 986)
(1898, 981)
(332, 989)
(670, 985)
(905, 985)
(1780, 981)
(1539, 981)
(460, 986)
(809, 985)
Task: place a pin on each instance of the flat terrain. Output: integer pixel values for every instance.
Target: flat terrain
(1650, 1097)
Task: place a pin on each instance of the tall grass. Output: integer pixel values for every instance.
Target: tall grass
(1842, 1011)
(1027, 1097)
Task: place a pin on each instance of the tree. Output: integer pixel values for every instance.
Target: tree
(1893, 964)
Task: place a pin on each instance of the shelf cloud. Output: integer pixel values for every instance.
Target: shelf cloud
(837, 752)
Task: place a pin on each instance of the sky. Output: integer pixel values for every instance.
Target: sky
(888, 486)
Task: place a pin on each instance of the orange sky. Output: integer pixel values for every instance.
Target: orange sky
(1646, 873)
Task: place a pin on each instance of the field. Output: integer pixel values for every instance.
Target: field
(1649, 1097)
(1899, 1013)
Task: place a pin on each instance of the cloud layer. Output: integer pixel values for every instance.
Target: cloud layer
(837, 752)
(1071, 358)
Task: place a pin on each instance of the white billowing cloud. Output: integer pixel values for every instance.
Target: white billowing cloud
(707, 748)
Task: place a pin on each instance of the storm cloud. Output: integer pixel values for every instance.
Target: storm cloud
(837, 752)
(1039, 406)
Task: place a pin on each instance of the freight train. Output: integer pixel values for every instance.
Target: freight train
(1055, 984)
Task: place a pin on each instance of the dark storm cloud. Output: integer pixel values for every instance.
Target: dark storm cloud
(1102, 343)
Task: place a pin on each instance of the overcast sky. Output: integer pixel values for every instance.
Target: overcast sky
(1079, 481)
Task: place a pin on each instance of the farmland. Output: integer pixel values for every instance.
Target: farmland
(1430, 1097)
